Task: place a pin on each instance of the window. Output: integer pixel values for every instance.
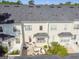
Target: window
(65, 40)
(76, 43)
(28, 27)
(14, 29)
(53, 27)
(41, 28)
(9, 43)
(17, 40)
(1, 30)
(74, 37)
(76, 26)
(40, 40)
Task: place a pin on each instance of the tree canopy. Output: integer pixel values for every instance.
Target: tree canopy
(8, 2)
(69, 4)
(4, 18)
(31, 2)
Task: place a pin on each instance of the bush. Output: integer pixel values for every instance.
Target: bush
(56, 49)
(16, 52)
(3, 50)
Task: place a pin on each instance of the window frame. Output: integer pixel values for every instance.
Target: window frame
(1, 29)
(53, 27)
(28, 27)
(76, 26)
(41, 28)
(17, 40)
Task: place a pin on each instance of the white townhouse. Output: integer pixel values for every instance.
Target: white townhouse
(39, 25)
(44, 33)
(11, 36)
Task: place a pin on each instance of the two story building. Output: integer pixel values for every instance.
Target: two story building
(40, 25)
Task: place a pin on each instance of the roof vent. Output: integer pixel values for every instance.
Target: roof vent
(6, 6)
(71, 7)
(16, 6)
(38, 6)
(58, 7)
(51, 6)
(31, 6)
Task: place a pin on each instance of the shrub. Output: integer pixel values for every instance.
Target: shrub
(56, 49)
(3, 50)
(16, 52)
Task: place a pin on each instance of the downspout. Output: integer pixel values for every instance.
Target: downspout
(48, 34)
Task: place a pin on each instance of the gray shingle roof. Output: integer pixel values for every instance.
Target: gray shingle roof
(42, 13)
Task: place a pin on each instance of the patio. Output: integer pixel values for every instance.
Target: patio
(31, 49)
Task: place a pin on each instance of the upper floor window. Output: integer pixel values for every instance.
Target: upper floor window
(74, 37)
(17, 40)
(76, 26)
(9, 43)
(53, 27)
(1, 30)
(41, 28)
(28, 27)
(65, 27)
(14, 29)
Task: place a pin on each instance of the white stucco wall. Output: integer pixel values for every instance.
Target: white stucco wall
(18, 46)
(53, 29)
(60, 27)
(8, 29)
(35, 29)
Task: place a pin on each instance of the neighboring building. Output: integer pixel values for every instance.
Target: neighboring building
(43, 24)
